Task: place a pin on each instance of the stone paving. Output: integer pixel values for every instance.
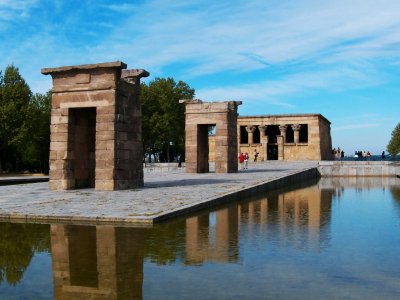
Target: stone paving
(163, 193)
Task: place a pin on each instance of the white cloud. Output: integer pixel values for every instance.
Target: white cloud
(120, 7)
(255, 35)
(269, 91)
(237, 37)
(11, 9)
(354, 126)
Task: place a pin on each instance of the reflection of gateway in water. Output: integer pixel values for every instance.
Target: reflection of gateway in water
(97, 261)
(107, 262)
(213, 237)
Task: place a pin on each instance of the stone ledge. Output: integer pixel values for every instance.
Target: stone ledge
(114, 64)
(358, 168)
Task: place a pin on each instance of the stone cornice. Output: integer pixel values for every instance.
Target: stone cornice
(115, 64)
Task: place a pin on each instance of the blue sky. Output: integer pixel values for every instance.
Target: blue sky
(338, 58)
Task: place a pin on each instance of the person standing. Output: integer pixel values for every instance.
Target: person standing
(383, 156)
(255, 155)
(246, 160)
(241, 160)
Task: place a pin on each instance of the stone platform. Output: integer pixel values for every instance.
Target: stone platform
(164, 195)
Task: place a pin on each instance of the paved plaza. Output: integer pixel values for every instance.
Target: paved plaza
(163, 193)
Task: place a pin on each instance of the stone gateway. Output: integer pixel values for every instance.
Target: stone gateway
(199, 117)
(96, 127)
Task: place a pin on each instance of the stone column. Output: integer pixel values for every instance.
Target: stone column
(262, 129)
(264, 140)
(281, 141)
(250, 130)
(296, 130)
(283, 128)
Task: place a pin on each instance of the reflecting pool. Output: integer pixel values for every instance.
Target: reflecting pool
(331, 239)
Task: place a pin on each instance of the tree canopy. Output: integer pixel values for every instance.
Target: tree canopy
(24, 123)
(394, 144)
(164, 117)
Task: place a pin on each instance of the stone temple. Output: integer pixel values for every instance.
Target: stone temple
(96, 127)
(283, 137)
(286, 137)
(96, 131)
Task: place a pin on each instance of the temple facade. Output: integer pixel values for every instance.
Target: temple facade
(283, 137)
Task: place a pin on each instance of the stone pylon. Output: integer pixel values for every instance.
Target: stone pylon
(96, 127)
(199, 116)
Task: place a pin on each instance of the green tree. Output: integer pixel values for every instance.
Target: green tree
(15, 97)
(394, 144)
(35, 152)
(164, 116)
(24, 124)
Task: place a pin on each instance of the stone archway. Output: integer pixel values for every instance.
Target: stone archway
(199, 116)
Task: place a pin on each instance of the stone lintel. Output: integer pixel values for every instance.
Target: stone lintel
(196, 106)
(198, 101)
(115, 64)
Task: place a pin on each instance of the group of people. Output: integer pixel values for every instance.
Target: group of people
(337, 154)
(244, 159)
(362, 155)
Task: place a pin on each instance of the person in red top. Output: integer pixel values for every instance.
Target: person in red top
(241, 160)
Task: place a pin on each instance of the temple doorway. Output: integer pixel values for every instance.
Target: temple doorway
(272, 152)
(83, 137)
(203, 148)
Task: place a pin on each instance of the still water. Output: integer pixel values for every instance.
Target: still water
(334, 239)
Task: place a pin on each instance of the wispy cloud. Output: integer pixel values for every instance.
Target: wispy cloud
(268, 91)
(11, 9)
(120, 7)
(354, 126)
(302, 39)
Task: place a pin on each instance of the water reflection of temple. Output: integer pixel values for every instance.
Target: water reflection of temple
(300, 217)
(104, 262)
